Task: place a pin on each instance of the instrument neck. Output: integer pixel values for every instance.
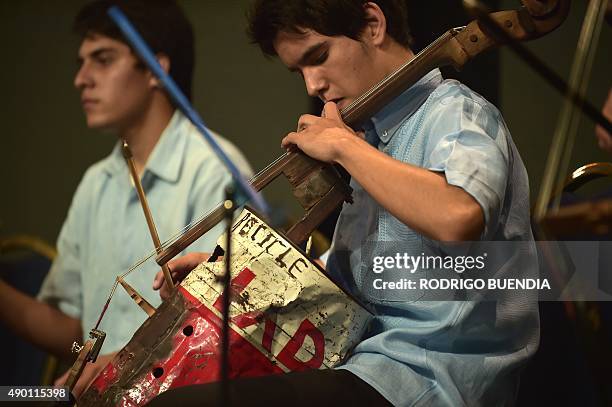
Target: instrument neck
(374, 99)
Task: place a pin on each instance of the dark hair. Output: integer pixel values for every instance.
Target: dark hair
(161, 23)
(328, 17)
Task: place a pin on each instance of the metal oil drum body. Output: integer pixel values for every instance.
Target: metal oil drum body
(285, 315)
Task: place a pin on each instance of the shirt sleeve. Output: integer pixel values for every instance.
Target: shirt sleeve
(62, 285)
(468, 142)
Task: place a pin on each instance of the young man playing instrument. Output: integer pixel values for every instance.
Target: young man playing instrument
(105, 232)
(435, 164)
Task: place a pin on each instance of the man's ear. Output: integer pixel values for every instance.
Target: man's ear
(375, 31)
(164, 61)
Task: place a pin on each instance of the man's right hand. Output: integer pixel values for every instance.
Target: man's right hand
(179, 268)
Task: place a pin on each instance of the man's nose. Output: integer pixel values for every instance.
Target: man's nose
(82, 78)
(315, 83)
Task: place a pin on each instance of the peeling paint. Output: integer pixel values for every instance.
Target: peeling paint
(285, 315)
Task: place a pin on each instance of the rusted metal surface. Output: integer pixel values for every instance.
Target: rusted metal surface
(152, 342)
(299, 232)
(285, 315)
(319, 189)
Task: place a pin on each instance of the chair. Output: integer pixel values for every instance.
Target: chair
(581, 218)
(587, 173)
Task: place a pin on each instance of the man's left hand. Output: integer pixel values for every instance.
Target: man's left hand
(321, 137)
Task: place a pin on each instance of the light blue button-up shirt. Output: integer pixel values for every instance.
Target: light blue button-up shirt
(105, 232)
(441, 353)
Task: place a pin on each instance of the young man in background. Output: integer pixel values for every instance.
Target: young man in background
(105, 231)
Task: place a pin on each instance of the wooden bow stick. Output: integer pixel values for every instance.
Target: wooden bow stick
(127, 154)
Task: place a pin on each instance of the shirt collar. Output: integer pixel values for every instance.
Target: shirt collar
(167, 155)
(387, 121)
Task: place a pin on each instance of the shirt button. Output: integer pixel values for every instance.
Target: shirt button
(384, 133)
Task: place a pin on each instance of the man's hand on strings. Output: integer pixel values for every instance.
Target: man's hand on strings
(90, 372)
(179, 268)
(321, 137)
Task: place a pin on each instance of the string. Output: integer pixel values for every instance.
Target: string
(175, 237)
(134, 267)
